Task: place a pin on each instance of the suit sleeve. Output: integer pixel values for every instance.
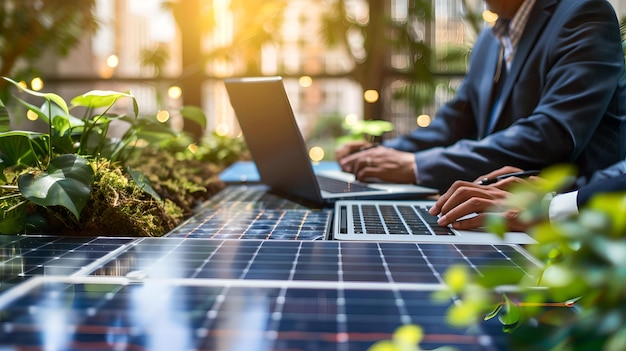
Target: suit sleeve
(585, 193)
(574, 76)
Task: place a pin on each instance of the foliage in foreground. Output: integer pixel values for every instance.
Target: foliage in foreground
(577, 300)
(75, 179)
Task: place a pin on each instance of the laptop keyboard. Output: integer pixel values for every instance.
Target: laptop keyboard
(396, 220)
(337, 186)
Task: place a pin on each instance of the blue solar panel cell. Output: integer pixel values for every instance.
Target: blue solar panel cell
(204, 288)
(157, 315)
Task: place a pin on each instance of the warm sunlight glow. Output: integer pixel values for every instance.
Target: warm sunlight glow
(423, 120)
(316, 154)
(175, 92)
(193, 148)
(305, 81)
(23, 84)
(351, 119)
(31, 115)
(36, 84)
(371, 96)
(222, 129)
(106, 72)
(163, 116)
(113, 61)
(490, 17)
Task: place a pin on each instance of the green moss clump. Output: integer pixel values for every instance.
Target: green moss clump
(116, 207)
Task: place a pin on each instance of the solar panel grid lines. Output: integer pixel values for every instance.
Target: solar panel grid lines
(236, 223)
(203, 286)
(384, 263)
(78, 313)
(22, 257)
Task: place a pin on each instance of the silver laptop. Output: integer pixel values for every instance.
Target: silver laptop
(389, 220)
(280, 154)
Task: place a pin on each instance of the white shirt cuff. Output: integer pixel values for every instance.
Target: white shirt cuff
(563, 206)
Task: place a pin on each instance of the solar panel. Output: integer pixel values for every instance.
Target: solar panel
(333, 261)
(88, 314)
(203, 288)
(22, 257)
(250, 212)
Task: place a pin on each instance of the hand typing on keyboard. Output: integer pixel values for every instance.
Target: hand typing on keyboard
(466, 204)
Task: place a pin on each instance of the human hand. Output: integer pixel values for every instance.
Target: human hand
(466, 198)
(381, 163)
(350, 148)
(500, 171)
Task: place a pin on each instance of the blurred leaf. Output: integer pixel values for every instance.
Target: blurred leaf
(48, 96)
(194, 113)
(510, 316)
(24, 149)
(494, 312)
(100, 98)
(456, 277)
(617, 341)
(5, 119)
(410, 335)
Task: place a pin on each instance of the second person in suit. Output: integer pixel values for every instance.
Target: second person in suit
(545, 85)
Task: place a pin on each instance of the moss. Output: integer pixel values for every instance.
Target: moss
(116, 207)
(185, 182)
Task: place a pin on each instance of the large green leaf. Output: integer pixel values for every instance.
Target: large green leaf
(67, 183)
(102, 98)
(23, 148)
(48, 96)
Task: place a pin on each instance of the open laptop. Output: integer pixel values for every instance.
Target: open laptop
(280, 154)
(388, 220)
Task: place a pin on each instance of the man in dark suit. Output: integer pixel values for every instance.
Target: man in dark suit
(545, 85)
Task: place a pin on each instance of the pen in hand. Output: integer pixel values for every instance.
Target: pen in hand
(523, 174)
(368, 147)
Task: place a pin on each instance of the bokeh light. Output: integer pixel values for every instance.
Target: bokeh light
(31, 115)
(36, 84)
(490, 17)
(351, 119)
(193, 148)
(163, 116)
(371, 96)
(175, 92)
(423, 120)
(305, 81)
(222, 129)
(113, 61)
(316, 154)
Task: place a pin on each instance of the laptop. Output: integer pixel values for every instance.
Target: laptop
(278, 149)
(388, 220)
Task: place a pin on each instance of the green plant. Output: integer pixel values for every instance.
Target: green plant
(369, 130)
(58, 168)
(578, 299)
(405, 338)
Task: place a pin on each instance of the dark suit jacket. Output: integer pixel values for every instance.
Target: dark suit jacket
(615, 184)
(564, 101)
